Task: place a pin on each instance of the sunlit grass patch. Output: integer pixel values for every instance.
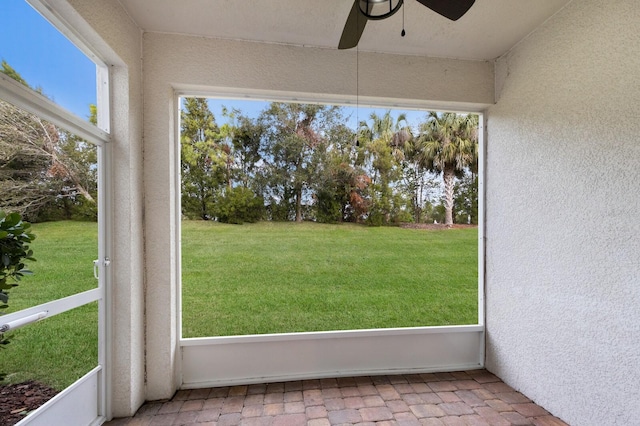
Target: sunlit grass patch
(289, 277)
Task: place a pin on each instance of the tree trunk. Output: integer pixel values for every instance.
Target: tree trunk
(228, 169)
(448, 176)
(203, 204)
(298, 205)
(417, 204)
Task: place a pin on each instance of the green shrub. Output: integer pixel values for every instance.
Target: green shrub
(328, 209)
(69, 208)
(14, 250)
(239, 205)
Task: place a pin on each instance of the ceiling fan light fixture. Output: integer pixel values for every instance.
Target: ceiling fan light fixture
(379, 9)
(364, 10)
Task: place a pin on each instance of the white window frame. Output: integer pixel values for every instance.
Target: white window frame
(232, 360)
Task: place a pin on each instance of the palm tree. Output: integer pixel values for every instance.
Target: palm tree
(381, 146)
(449, 145)
(417, 176)
(383, 128)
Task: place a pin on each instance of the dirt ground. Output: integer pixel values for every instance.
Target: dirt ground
(435, 226)
(19, 399)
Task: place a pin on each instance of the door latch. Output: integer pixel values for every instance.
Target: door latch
(96, 265)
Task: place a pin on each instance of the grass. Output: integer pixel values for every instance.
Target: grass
(252, 279)
(58, 350)
(284, 277)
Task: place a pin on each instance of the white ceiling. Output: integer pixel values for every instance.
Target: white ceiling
(488, 30)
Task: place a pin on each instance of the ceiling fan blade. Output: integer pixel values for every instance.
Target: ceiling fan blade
(452, 9)
(353, 28)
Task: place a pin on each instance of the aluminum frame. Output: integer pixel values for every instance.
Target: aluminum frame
(35, 103)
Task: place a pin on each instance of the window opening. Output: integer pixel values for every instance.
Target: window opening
(296, 218)
(50, 177)
(54, 352)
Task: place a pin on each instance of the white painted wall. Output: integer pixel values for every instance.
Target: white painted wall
(174, 62)
(563, 196)
(117, 40)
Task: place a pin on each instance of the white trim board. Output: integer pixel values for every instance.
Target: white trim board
(76, 405)
(224, 361)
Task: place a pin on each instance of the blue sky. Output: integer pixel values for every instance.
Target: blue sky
(253, 109)
(46, 59)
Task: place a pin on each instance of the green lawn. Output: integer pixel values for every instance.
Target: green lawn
(287, 277)
(58, 350)
(260, 278)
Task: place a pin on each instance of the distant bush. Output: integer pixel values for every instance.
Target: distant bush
(63, 208)
(239, 205)
(328, 208)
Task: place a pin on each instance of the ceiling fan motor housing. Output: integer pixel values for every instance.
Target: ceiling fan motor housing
(379, 9)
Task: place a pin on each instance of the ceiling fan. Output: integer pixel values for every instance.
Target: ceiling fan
(364, 10)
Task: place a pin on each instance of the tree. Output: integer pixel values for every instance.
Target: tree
(10, 72)
(245, 135)
(203, 163)
(340, 185)
(418, 180)
(465, 202)
(450, 145)
(294, 135)
(383, 142)
(41, 167)
(24, 162)
(77, 181)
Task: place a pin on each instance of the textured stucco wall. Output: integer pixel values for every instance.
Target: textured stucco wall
(562, 203)
(209, 63)
(179, 62)
(118, 42)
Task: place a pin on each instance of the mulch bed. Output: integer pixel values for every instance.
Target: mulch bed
(435, 226)
(19, 399)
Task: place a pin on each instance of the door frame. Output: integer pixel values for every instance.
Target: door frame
(90, 395)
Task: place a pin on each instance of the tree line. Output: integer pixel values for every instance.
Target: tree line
(46, 173)
(296, 162)
(292, 162)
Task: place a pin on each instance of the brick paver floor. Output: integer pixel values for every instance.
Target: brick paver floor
(460, 398)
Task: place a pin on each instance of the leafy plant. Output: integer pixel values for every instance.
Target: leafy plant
(14, 250)
(239, 205)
